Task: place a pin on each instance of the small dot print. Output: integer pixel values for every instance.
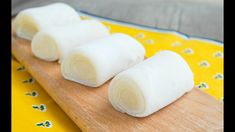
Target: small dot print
(21, 68)
(175, 44)
(204, 64)
(188, 51)
(219, 76)
(40, 107)
(202, 85)
(45, 124)
(29, 80)
(218, 54)
(149, 41)
(140, 35)
(32, 93)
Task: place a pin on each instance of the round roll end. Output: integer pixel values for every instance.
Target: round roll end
(126, 97)
(45, 47)
(79, 68)
(26, 26)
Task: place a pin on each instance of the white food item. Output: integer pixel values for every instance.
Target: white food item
(53, 43)
(95, 63)
(151, 85)
(29, 21)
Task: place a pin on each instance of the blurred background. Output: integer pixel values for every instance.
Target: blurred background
(201, 18)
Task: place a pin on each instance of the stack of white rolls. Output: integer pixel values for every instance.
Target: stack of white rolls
(151, 85)
(95, 63)
(30, 21)
(55, 29)
(89, 55)
(53, 43)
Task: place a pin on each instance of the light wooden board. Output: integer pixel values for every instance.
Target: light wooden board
(90, 109)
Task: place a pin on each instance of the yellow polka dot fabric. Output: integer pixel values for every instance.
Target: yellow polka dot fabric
(34, 110)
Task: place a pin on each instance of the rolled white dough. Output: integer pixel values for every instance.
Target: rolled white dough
(29, 21)
(151, 85)
(53, 43)
(95, 63)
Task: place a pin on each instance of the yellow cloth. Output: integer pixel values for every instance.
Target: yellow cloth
(32, 105)
(33, 109)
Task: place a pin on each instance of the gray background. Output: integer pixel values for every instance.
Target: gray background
(203, 18)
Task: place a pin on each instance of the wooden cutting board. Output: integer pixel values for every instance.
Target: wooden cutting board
(90, 109)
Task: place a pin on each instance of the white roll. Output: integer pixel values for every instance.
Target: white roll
(29, 21)
(151, 85)
(95, 63)
(53, 43)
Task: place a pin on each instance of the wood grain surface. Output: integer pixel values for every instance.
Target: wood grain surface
(90, 109)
